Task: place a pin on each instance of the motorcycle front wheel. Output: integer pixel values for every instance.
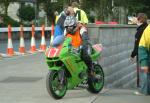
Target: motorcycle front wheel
(95, 86)
(55, 87)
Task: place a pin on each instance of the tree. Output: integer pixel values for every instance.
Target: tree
(105, 9)
(51, 7)
(146, 8)
(2, 8)
(6, 3)
(26, 13)
(102, 8)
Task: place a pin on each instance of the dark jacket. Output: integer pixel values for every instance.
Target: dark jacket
(138, 35)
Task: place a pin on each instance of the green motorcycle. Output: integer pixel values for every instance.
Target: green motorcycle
(67, 70)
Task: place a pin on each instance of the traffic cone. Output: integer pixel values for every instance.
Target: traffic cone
(43, 42)
(52, 33)
(22, 44)
(10, 50)
(33, 47)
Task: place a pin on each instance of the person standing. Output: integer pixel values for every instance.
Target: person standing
(142, 24)
(79, 13)
(144, 60)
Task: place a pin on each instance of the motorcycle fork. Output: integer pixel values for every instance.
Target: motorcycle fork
(61, 75)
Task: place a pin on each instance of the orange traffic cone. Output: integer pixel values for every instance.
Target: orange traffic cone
(22, 44)
(33, 47)
(10, 50)
(43, 42)
(52, 33)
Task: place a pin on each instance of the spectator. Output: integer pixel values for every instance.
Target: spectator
(81, 18)
(144, 60)
(142, 24)
(79, 14)
(59, 28)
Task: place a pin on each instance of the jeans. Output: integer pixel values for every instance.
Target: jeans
(58, 31)
(144, 83)
(85, 56)
(58, 40)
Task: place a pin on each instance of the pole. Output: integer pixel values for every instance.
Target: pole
(35, 5)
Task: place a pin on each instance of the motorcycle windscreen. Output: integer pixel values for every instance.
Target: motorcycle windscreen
(53, 52)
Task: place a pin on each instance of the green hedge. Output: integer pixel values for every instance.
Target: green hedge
(8, 20)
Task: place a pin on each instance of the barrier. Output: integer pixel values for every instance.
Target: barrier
(22, 44)
(17, 29)
(33, 45)
(118, 42)
(10, 50)
(43, 42)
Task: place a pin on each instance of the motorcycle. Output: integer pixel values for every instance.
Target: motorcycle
(67, 70)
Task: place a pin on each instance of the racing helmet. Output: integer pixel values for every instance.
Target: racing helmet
(70, 21)
(70, 24)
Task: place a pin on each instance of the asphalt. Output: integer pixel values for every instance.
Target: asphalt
(23, 80)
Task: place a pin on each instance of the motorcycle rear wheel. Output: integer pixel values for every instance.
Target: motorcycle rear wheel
(96, 86)
(54, 88)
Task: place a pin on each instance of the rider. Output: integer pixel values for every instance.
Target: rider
(79, 39)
